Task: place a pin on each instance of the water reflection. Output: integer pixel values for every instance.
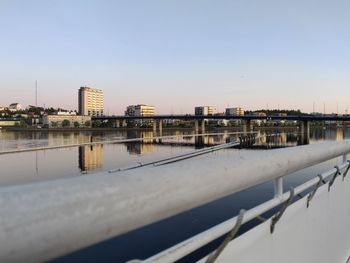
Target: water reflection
(69, 162)
(140, 148)
(90, 157)
(46, 165)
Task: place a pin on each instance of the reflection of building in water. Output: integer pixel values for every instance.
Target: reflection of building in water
(281, 139)
(63, 138)
(147, 136)
(261, 137)
(90, 157)
(339, 134)
(140, 148)
(143, 147)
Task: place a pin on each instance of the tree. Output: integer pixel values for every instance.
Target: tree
(65, 123)
(88, 124)
(96, 123)
(76, 124)
(54, 124)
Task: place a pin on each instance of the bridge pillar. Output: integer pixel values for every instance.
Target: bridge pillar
(199, 129)
(160, 128)
(304, 137)
(196, 126)
(123, 123)
(199, 126)
(117, 124)
(247, 126)
(154, 125)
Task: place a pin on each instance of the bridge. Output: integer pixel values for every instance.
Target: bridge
(200, 121)
(229, 117)
(304, 224)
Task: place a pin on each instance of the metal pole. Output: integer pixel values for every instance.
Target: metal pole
(278, 187)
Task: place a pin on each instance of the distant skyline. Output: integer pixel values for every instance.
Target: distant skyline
(177, 54)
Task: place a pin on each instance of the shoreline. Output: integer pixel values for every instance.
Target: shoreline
(239, 128)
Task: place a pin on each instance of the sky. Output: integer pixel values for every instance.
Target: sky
(177, 54)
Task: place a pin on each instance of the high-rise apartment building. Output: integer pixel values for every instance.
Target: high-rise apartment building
(90, 101)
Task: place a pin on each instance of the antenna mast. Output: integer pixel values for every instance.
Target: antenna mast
(36, 93)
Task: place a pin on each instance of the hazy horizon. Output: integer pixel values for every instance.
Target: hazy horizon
(177, 54)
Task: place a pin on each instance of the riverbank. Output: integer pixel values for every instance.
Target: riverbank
(236, 128)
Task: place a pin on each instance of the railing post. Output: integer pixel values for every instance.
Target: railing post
(278, 187)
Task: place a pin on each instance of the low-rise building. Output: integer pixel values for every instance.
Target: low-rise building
(15, 107)
(66, 113)
(66, 121)
(9, 123)
(204, 110)
(140, 110)
(238, 111)
(259, 114)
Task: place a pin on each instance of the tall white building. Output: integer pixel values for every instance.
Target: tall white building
(204, 110)
(90, 101)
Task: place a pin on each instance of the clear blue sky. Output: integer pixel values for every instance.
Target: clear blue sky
(176, 54)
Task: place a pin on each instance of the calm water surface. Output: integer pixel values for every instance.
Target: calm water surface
(29, 167)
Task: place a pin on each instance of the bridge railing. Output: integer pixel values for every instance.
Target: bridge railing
(45, 220)
(198, 241)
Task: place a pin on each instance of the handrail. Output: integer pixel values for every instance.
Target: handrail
(45, 220)
(110, 142)
(192, 244)
(187, 155)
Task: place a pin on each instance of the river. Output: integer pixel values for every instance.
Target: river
(52, 164)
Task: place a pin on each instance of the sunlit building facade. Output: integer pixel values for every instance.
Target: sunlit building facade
(140, 110)
(66, 121)
(234, 111)
(90, 101)
(204, 110)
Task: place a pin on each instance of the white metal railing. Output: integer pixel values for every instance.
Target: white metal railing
(45, 220)
(31, 149)
(192, 244)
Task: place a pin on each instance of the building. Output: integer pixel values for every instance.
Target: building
(204, 110)
(234, 111)
(138, 111)
(66, 113)
(66, 121)
(9, 123)
(15, 107)
(90, 101)
(259, 121)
